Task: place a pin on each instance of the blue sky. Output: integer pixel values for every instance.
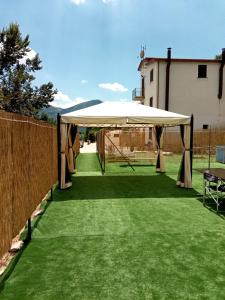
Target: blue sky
(89, 48)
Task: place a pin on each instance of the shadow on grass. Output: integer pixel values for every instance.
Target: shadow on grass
(133, 164)
(113, 187)
(211, 206)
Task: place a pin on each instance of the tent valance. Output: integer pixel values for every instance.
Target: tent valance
(126, 114)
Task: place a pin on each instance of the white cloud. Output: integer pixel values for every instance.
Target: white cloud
(114, 87)
(78, 2)
(107, 1)
(83, 81)
(64, 101)
(31, 54)
(61, 97)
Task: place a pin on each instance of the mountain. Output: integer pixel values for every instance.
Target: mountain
(52, 111)
(81, 106)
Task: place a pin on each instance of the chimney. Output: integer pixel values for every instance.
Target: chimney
(220, 88)
(223, 54)
(169, 53)
(167, 87)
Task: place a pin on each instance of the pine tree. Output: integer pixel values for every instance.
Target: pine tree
(17, 93)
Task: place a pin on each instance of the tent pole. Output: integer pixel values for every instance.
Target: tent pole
(59, 149)
(209, 160)
(103, 143)
(29, 231)
(191, 142)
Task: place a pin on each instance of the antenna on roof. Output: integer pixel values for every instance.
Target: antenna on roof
(142, 52)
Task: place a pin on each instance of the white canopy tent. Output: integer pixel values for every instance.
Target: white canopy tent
(124, 114)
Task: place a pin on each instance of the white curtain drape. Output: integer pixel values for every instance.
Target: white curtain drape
(71, 160)
(160, 162)
(64, 133)
(184, 176)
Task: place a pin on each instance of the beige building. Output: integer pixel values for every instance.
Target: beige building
(185, 86)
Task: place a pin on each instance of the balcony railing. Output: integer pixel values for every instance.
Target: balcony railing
(138, 94)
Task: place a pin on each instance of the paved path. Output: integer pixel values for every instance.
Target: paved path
(91, 148)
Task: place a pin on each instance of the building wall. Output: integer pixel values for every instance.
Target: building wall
(150, 87)
(188, 93)
(151, 90)
(162, 84)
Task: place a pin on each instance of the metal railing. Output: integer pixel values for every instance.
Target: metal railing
(137, 94)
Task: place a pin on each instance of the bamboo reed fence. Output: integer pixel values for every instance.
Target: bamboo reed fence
(125, 145)
(201, 140)
(138, 144)
(128, 141)
(28, 165)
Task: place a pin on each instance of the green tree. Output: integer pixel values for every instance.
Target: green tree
(17, 93)
(45, 117)
(218, 56)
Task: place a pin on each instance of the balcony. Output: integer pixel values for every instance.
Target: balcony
(138, 95)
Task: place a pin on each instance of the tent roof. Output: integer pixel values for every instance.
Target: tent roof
(123, 114)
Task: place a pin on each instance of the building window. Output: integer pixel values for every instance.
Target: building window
(202, 71)
(151, 75)
(205, 126)
(151, 102)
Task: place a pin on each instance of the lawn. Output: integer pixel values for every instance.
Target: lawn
(119, 236)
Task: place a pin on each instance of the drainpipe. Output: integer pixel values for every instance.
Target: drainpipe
(220, 90)
(142, 86)
(167, 90)
(158, 87)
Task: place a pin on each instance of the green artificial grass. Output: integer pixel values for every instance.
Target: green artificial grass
(123, 237)
(88, 164)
